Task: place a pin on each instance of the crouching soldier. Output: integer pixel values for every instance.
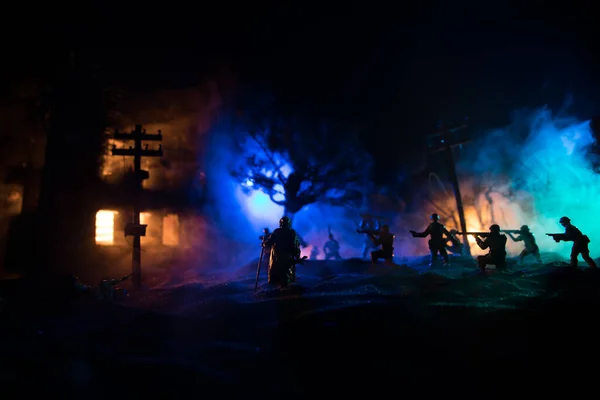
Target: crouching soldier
(385, 239)
(496, 242)
(285, 253)
(453, 244)
(106, 290)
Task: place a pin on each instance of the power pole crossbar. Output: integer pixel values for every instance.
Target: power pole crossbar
(135, 228)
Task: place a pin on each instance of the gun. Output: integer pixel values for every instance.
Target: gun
(515, 231)
(556, 236)
(482, 234)
(300, 260)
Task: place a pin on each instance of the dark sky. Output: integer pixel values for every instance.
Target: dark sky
(395, 68)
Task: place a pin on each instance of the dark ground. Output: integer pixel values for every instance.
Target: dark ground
(344, 330)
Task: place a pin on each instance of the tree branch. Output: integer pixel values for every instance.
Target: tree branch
(278, 202)
(270, 157)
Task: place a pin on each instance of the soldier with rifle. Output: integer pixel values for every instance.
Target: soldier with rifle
(285, 253)
(332, 248)
(369, 226)
(106, 288)
(437, 244)
(265, 235)
(580, 242)
(455, 247)
(105, 291)
(531, 247)
(385, 239)
(496, 243)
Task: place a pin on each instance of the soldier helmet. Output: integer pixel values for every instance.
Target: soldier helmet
(265, 230)
(435, 217)
(495, 228)
(385, 228)
(565, 220)
(285, 222)
(524, 228)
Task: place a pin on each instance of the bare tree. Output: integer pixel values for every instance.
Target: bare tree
(298, 163)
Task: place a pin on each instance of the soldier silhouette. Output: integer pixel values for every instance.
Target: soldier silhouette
(437, 243)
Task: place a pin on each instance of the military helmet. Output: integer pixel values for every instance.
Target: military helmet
(285, 222)
(495, 228)
(524, 228)
(565, 220)
(435, 217)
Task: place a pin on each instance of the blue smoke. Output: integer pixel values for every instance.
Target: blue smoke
(240, 212)
(531, 172)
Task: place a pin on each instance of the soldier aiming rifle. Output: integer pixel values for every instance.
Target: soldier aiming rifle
(332, 247)
(580, 243)
(106, 288)
(531, 247)
(437, 244)
(456, 246)
(385, 239)
(369, 226)
(496, 243)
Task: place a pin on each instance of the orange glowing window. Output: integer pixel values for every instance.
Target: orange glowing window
(144, 218)
(105, 227)
(171, 230)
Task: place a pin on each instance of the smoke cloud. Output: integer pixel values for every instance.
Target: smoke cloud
(531, 172)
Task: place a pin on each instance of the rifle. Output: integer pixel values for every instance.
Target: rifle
(262, 253)
(482, 234)
(300, 260)
(556, 236)
(515, 231)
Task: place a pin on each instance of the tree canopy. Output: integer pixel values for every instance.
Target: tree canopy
(300, 160)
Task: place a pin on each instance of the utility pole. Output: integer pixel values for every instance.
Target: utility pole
(134, 228)
(446, 140)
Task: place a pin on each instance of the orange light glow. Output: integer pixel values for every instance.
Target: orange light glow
(171, 230)
(482, 209)
(105, 227)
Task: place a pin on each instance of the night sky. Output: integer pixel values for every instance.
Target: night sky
(393, 68)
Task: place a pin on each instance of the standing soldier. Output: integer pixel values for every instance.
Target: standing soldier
(531, 246)
(580, 242)
(332, 248)
(285, 252)
(497, 245)
(265, 235)
(437, 244)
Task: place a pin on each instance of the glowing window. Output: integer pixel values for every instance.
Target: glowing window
(144, 218)
(105, 227)
(171, 230)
